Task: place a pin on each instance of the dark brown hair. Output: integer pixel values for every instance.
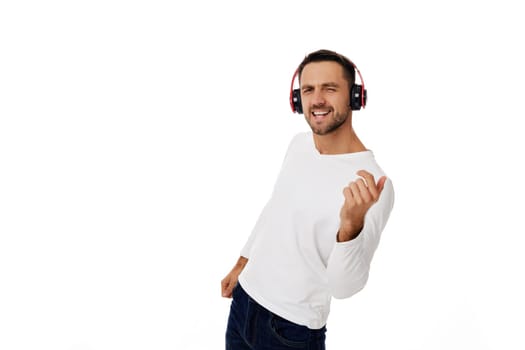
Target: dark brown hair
(327, 55)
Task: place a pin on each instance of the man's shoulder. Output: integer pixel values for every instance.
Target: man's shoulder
(301, 138)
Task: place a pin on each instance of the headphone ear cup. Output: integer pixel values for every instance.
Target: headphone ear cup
(296, 100)
(355, 97)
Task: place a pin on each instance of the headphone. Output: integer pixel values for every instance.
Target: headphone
(358, 94)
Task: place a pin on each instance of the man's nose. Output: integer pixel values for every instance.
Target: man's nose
(318, 98)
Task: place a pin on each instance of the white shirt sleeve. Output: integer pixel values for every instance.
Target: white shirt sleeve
(245, 251)
(349, 263)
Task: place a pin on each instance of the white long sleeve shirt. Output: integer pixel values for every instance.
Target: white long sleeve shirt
(295, 263)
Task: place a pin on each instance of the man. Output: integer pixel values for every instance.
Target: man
(317, 234)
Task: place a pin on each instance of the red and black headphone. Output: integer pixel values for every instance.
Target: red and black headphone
(358, 94)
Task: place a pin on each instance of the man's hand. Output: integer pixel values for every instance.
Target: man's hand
(360, 195)
(230, 281)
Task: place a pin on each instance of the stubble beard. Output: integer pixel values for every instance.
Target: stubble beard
(335, 123)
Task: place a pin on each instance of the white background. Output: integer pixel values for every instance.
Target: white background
(139, 141)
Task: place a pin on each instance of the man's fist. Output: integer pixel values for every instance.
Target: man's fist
(360, 195)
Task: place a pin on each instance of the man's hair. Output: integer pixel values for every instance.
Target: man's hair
(327, 55)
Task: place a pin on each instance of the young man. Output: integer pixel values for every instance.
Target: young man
(316, 236)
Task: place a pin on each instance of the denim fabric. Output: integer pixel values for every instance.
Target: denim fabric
(252, 327)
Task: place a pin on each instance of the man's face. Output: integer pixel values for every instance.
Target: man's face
(325, 96)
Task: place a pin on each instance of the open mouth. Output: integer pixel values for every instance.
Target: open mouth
(319, 115)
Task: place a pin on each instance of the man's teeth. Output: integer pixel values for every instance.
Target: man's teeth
(320, 113)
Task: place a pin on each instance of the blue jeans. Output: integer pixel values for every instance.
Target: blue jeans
(252, 327)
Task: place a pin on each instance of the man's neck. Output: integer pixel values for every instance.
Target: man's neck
(340, 141)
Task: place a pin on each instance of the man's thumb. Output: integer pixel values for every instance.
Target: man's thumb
(381, 184)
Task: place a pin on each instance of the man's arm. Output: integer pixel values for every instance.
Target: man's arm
(363, 217)
(230, 281)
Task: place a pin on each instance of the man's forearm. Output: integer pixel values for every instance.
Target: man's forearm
(241, 263)
(345, 236)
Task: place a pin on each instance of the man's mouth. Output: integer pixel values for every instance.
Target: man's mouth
(320, 115)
